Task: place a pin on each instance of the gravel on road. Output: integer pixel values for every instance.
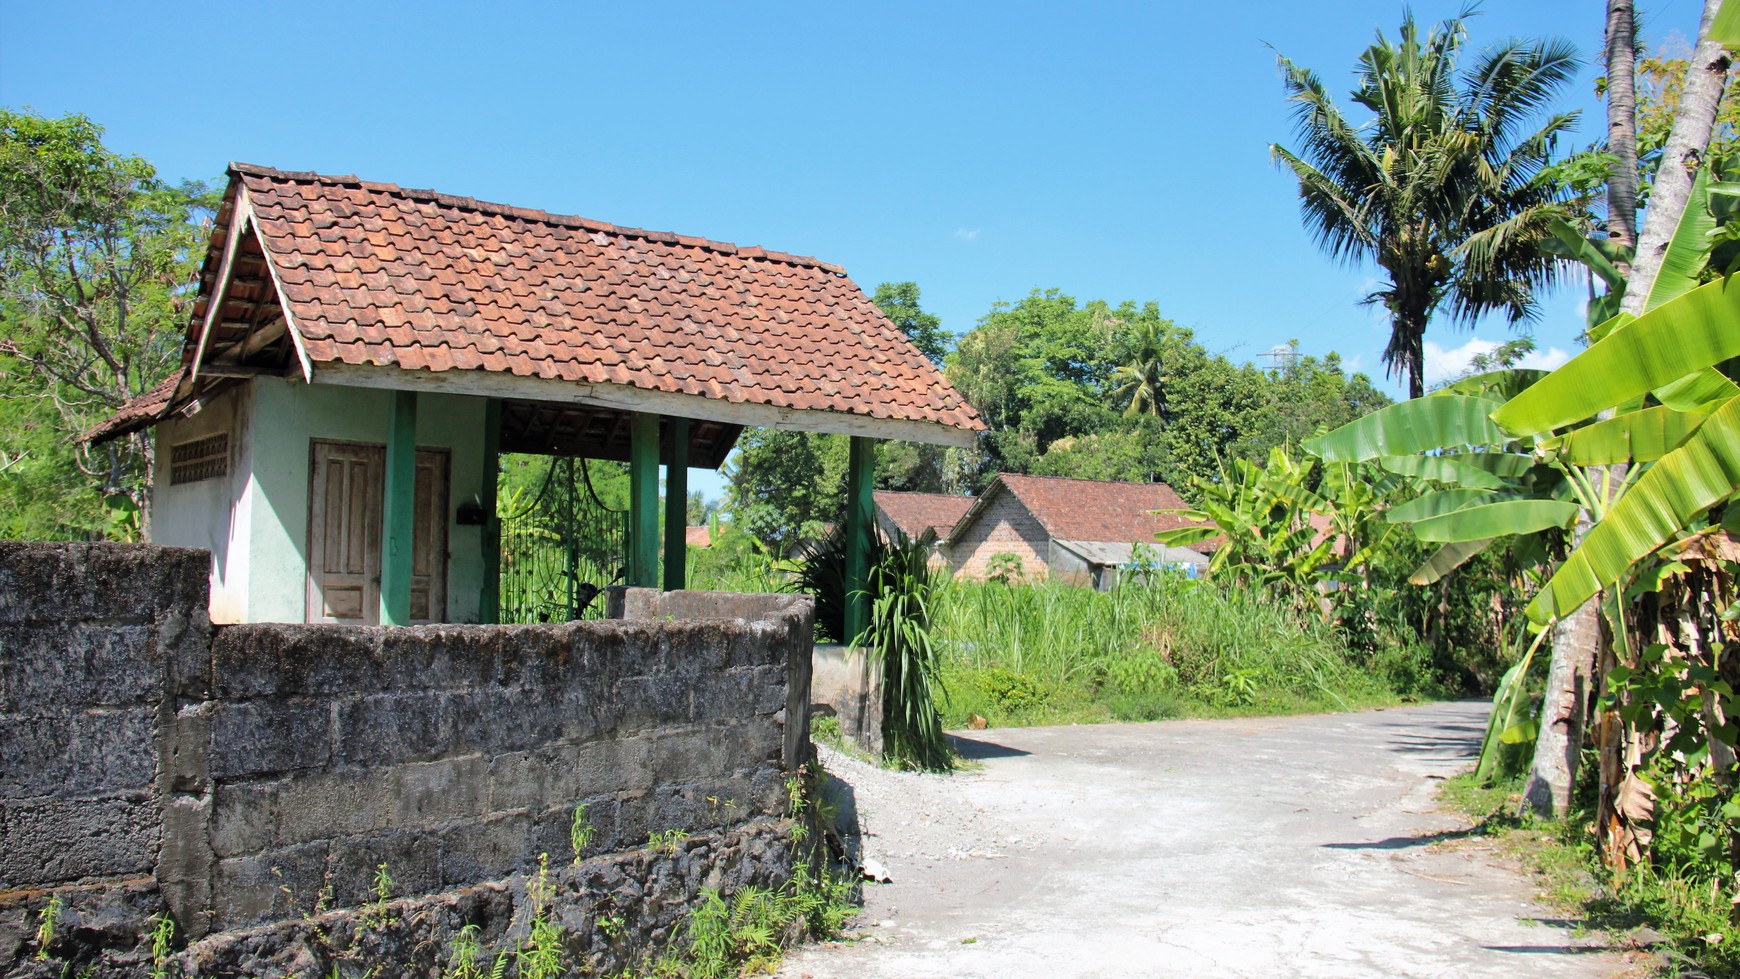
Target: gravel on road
(1295, 846)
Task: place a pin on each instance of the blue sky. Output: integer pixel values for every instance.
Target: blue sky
(982, 150)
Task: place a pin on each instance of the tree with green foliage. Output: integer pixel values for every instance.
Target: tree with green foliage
(1438, 188)
(96, 252)
(786, 485)
(1040, 370)
(900, 302)
(1305, 396)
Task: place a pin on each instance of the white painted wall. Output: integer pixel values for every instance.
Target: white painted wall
(210, 513)
(255, 522)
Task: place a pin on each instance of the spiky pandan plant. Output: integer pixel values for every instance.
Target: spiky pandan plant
(904, 593)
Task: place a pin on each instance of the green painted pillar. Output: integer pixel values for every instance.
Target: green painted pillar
(643, 501)
(676, 503)
(860, 524)
(398, 509)
(489, 603)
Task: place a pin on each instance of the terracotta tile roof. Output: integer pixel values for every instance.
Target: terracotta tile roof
(1094, 510)
(915, 513)
(144, 410)
(376, 274)
(697, 536)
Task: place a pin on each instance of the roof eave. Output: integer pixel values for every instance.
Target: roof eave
(496, 384)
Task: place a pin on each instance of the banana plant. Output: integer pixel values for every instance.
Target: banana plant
(1278, 532)
(1475, 483)
(1640, 434)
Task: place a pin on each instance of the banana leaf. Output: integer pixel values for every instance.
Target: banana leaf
(1437, 422)
(1688, 249)
(1507, 722)
(1185, 536)
(1434, 504)
(1635, 436)
(1445, 560)
(1695, 331)
(1568, 242)
(1500, 519)
(1501, 385)
(1604, 326)
(1471, 470)
(1683, 484)
(1706, 387)
(1726, 27)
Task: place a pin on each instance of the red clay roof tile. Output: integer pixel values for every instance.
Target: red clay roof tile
(437, 282)
(915, 513)
(1095, 510)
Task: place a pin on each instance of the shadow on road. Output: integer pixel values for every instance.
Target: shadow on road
(975, 749)
(1549, 949)
(1400, 842)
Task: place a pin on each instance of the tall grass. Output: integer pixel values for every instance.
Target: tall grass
(1148, 650)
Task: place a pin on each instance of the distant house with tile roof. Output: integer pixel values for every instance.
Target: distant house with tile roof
(917, 514)
(1078, 529)
(359, 353)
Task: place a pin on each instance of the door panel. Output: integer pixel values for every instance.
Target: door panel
(344, 533)
(429, 538)
(347, 484)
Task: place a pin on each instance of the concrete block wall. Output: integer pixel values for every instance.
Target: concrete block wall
(88, 632)
(233, 775)
(1005, 527)
(456, 754)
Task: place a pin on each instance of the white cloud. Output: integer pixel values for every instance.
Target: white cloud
(966, 234)
(1443, 365)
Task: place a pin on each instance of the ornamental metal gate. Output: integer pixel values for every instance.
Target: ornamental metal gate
(560, 549)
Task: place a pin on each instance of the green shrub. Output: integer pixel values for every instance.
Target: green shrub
(1011, 692)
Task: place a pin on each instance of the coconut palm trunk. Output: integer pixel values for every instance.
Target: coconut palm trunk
(1576, 669)
(1622, 126)
(1687, 142)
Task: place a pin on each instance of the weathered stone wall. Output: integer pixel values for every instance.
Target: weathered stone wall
(456, 754)
(255, 774)
(88, 632)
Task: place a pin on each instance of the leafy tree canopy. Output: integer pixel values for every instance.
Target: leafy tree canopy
(96, 253)
(1086, 390)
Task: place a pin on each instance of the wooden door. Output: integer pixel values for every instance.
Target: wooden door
(429, 538)
(347, 483)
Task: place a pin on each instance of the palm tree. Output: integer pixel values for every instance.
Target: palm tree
(1142, 377)
(1438, 189)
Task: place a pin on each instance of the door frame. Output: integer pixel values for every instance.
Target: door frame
(439, 536)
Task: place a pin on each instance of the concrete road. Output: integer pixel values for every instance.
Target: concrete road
(1302, 846)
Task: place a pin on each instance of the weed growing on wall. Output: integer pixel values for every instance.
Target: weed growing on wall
(376, 915)
(667, 842)
(579, 832)
(45, 924)
(162, 944)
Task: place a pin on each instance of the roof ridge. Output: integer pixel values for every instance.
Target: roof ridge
(952, 496)
(543, 217)
(1102, 482)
